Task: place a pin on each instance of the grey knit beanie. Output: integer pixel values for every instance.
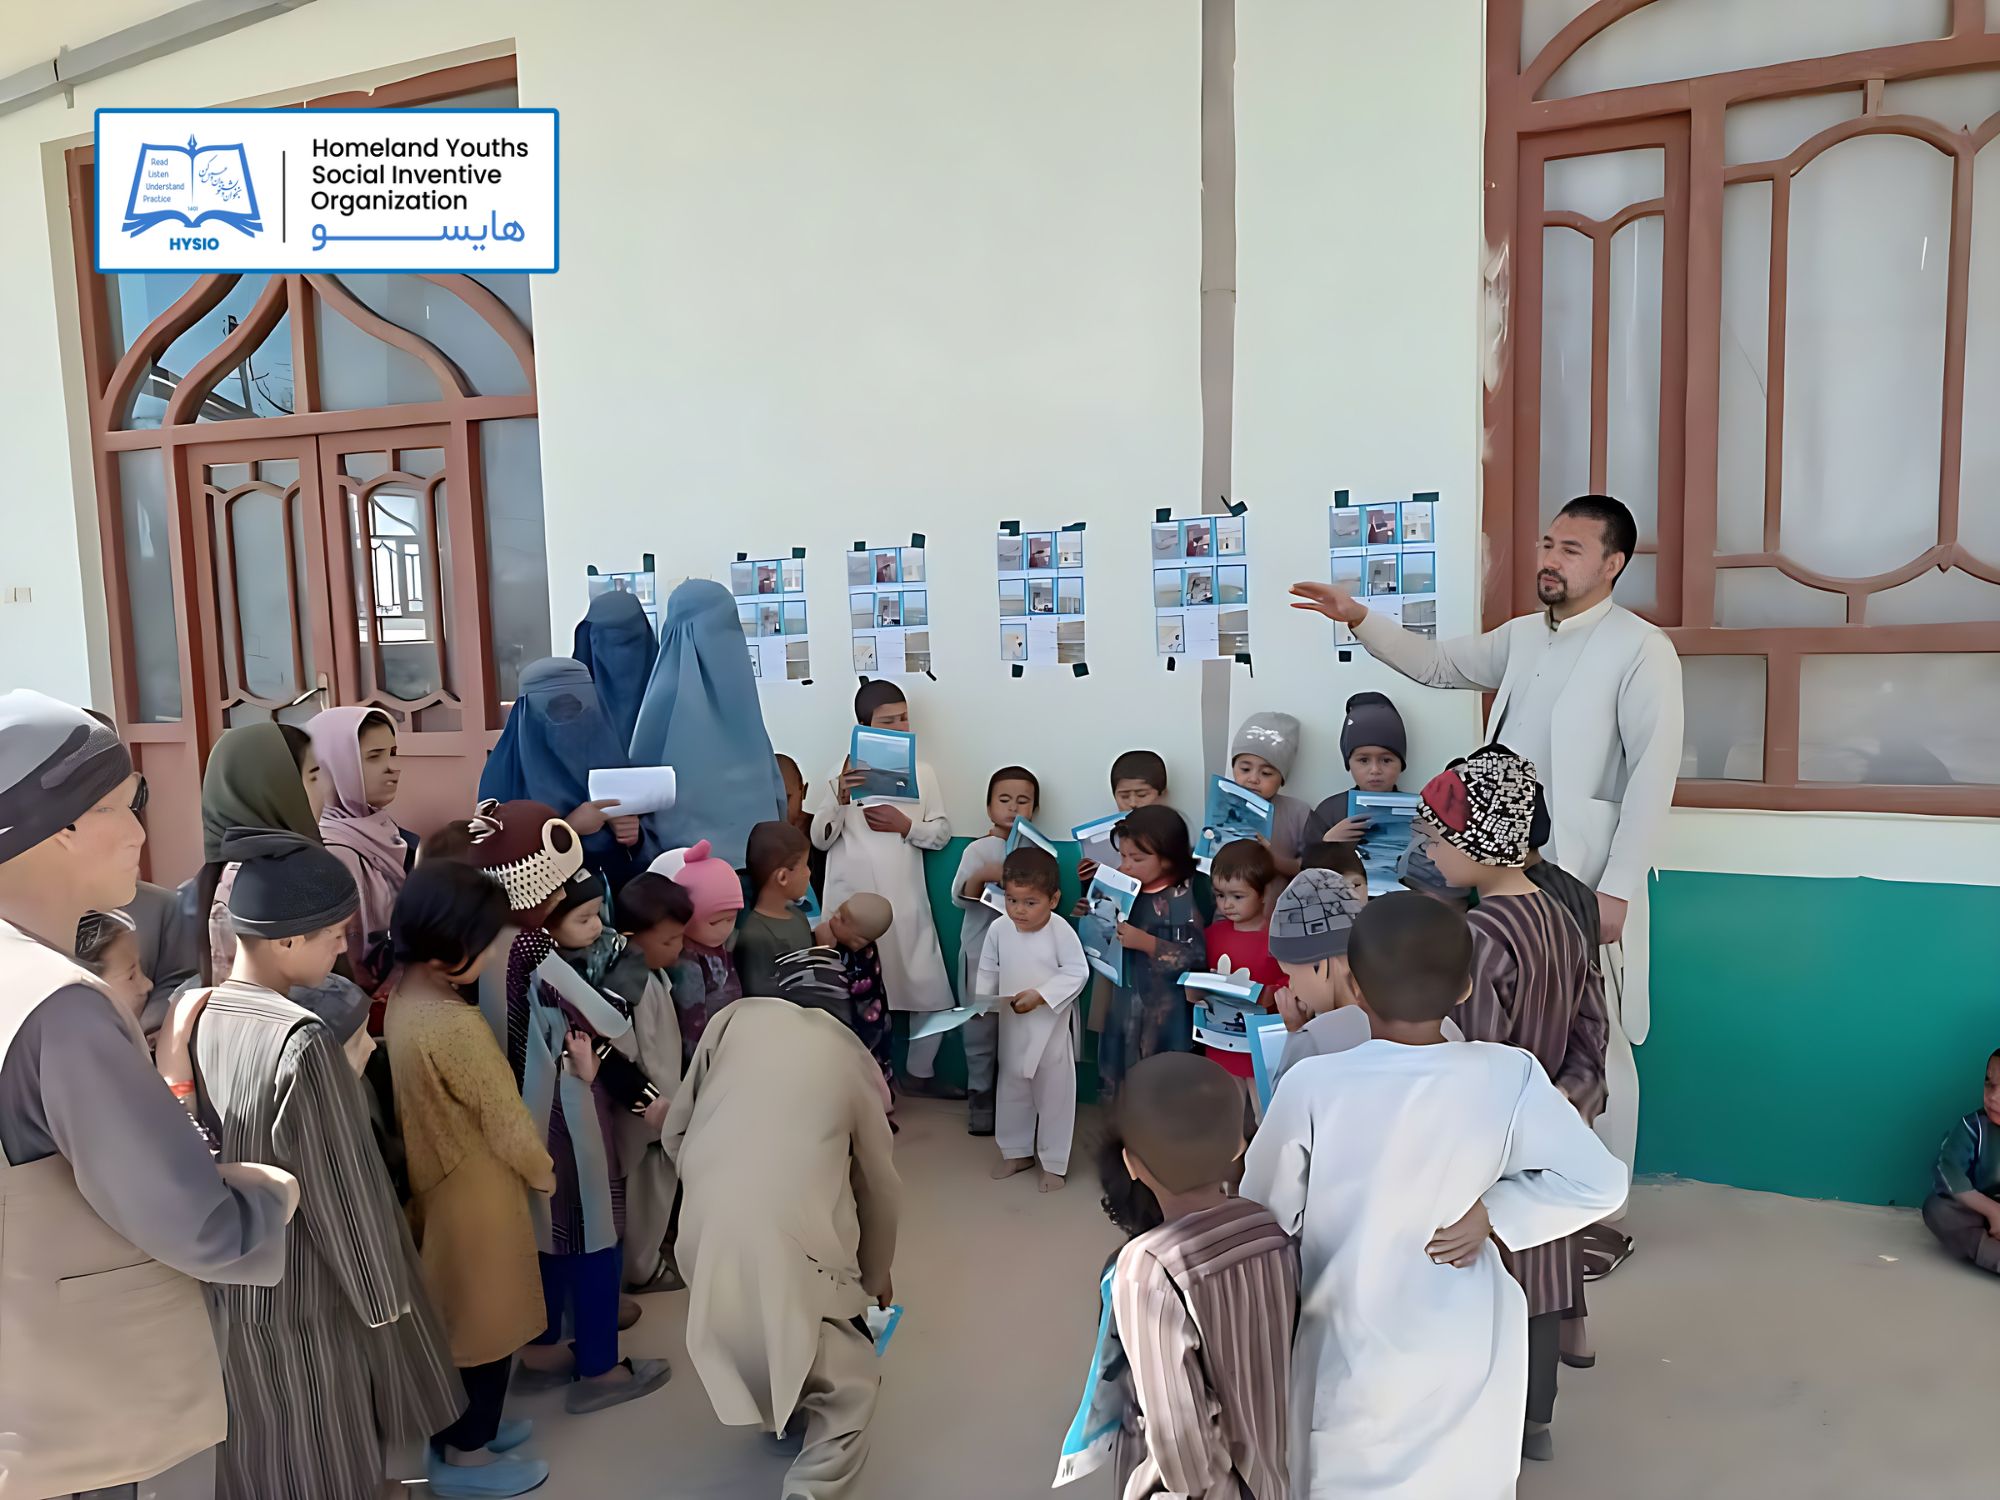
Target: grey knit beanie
(1311, 919)
(1372, 720)
(1273, 736)
(56, 763)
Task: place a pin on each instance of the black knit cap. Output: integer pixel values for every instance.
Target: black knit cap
(285, 887)
(581, 887)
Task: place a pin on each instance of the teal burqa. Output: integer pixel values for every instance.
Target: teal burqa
(701, 716)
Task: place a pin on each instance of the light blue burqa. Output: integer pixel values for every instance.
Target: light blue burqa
(701, 716)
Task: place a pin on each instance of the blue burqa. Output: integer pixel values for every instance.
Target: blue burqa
(701, 716)
(556, 735)
(615, 641)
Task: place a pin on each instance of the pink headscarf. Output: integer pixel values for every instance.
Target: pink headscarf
(365, 839)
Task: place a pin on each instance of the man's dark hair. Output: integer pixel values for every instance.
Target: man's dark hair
(1034, 868)
(446, 913)
(1411, 957)
(1621, 532)
(773, 846)
(1140, 765)
(1245, 860)
(1014, 773)
(648, 900)
(1337, 857)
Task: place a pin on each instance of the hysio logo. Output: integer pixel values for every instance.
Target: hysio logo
(192, 185)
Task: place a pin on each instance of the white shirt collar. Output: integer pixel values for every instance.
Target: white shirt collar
(1576, 624)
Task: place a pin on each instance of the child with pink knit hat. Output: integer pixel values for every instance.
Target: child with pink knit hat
(705, 979)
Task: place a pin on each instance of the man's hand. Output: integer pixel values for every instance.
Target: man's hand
(625, 830)
(1137, 939)
(655, 1114)
(1610, 918)
(1459, 1244)
(591, 816)
(1026, 1001)
(887, 819)
(888, 1295)
(1347, 831)
(1329, 600)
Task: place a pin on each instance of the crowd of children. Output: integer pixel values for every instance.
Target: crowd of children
(549, 978)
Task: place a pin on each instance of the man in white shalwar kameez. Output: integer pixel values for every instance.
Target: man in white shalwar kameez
(1410, 1366)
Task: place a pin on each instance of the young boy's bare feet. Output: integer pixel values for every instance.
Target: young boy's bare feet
(1009, 1166)
(1052, 1182)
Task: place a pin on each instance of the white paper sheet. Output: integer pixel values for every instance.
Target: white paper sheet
(639, 789)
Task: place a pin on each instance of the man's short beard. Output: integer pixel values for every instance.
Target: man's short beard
(1543, 588)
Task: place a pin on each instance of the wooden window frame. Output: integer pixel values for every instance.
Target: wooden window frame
(1522, 132)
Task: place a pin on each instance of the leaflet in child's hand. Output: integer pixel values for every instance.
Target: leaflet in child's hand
(1023, 832)
(1099, 847)
(638, 790)
(887, 758)
(1233, 812)
(938, 1022)
(882, 1323)
(1093, 1433)
(1108, 902)
(1392, 823)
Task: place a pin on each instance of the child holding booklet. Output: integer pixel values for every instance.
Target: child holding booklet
(1013, 792)
(1260, 760)
(1162, 939)
(880, 848)
(1035, 967)
(1242, 876)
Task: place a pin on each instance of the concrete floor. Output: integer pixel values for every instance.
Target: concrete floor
(1755, 1346)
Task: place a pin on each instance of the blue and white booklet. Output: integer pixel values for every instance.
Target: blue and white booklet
(1267, 1050)
(887, 758)
(1233, 812)
(882, 1323)
(1023, 832)
(1107, 903)
(1097, 841)
(1223, 1020)
(1093, 1434)
(1392, 823)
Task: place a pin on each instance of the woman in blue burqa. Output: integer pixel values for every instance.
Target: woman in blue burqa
(701, 716)
(616, 642)
(558, 733)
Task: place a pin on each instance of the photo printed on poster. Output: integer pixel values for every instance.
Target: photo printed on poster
(1201, 587)
(888, 608)
(1384, 553)
(640, 584)
(1041, 596)
(770, 597)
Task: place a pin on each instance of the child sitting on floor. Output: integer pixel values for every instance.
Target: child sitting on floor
(1034, 964)
(855, 928)
(1412, 1349)
(1963, 1210)
(1162, 940)
(779, 875)
(1205, 1303)
(1242, 875)
(1375, 748)
(1013, 792)
(705, 979)
(1261, 757)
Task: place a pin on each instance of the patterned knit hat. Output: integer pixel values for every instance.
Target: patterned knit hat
(1270, 736)
(1312, 917)
(527, 848)
(714, 886)
(1484, 806)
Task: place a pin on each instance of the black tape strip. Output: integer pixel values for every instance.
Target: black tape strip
(805, 682)
(743, 557)
(1243, 657)
(1074, 526)
(860, 546)
(1164, 513)
(931, 675)
(1345, 655)
(1018, 669)
(917, 539)
(1237, 507)
(1425, 495)
(1011, 528)
(798, 552)
(1081, 669)
(1342, 498)
(647, 559)
(1170, 662)
(864, 680)
(592, 571)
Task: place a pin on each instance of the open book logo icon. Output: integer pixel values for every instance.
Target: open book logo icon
(192, 185)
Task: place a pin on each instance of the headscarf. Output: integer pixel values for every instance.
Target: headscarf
(367, 834)
(615, 640)
(702, 717)
(556, 735)
(253, 781)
